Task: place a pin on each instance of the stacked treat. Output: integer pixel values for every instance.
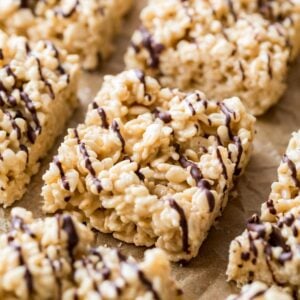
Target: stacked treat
(159, 150)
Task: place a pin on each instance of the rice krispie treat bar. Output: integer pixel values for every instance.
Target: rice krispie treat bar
(37, 83)
(285, 192)
(83, 27)
(268, 250)
(151, 165)
(224, 48)
(52, 258)
(260, 291)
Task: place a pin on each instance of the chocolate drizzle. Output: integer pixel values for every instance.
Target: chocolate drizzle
(227, 112)
(183, 224)
(64, 180)
(116, 128)
(232, 11)
(224, 170)
(238, 143)
(46, 82)
(70, 12)
(73, 239)
(292, 167)
(141, 77)
(163, 115)
(154, 49)
(200, 182)
(148, 284)
(88, 163)
(102, 115)
(27, 276)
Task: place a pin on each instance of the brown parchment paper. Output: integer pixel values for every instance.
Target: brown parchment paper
(204, 277)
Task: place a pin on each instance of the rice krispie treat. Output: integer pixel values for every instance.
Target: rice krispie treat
(151, 165)
(37, 83)
(83, 27)
(260, 291)
(224, 48)
(285, 192)
(52, 258)
(268, 250)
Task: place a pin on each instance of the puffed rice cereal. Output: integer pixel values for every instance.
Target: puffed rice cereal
(223, 47)
(151, 165)
(37, 82)
(52, 258)
(82, 27)
(269, 249)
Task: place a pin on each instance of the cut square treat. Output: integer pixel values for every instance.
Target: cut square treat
(83, 27)
(52, 258)
(268, 250)
(224, 48)
(260, 291)
(151, 165)
(37, 83)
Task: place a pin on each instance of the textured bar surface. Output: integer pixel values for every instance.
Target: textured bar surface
(151, 165)
(37, 83)
(260, 291)
(83, 27)
(52, 258)
(224, 48)
(268, 250)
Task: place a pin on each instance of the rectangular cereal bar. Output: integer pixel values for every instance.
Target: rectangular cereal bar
(268, 250)
(151, 165)
(37, 83)
(52, 258)
(224, 48)
(82, 27)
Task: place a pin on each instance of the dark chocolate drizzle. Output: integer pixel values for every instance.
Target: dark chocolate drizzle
(46, 82)
(70, 12)
(148, 284)
(102, 115)
(227, 112)
(162, 115)
(88, 163)
(224, 170)
(154, 49)
(292, 167)
(73, 239)
(64, 180)
(116, 128)
(183, 224)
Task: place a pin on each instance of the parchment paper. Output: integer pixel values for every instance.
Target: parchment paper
(204, 277)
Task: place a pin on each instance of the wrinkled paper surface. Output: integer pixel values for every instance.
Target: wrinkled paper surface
(204, 277)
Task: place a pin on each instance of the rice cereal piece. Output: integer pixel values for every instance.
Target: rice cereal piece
(260, 291)
(151, 165)
(83, 27)
(52, 258)
(224, 48)
(38, 82)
